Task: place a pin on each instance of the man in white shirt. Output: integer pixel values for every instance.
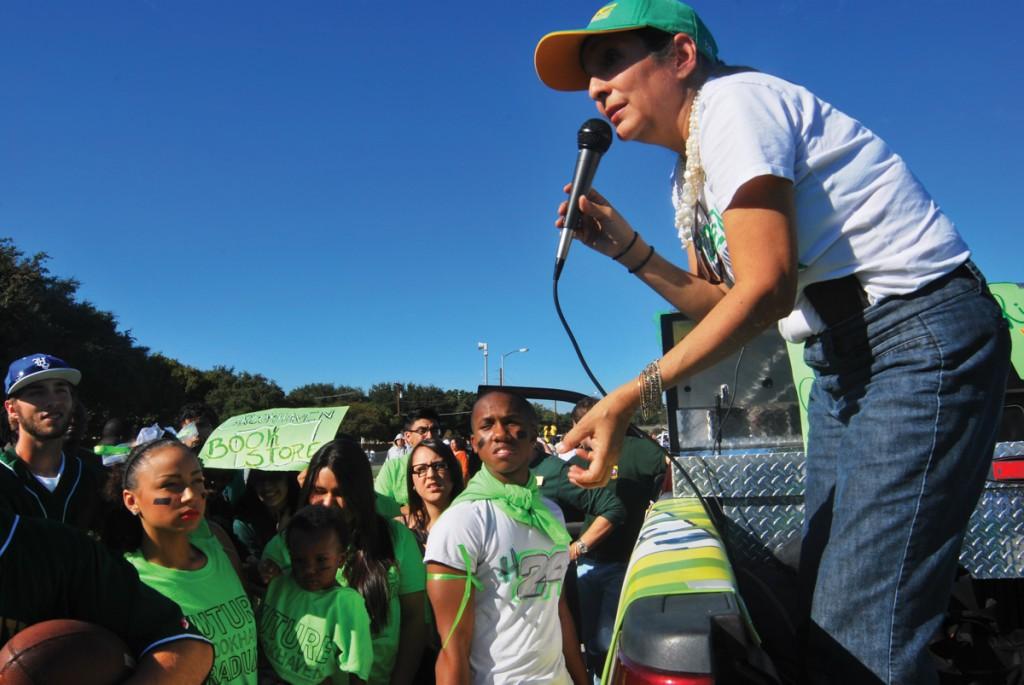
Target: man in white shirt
(507, 622)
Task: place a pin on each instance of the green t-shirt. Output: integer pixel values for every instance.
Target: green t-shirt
(49, 570)
(391, 480)
(311, 636)
(407, 577)
(213, 600)
(387, 506)
(552, 478)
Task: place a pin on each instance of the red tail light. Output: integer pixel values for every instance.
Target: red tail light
(1008, 469)
(625, 672)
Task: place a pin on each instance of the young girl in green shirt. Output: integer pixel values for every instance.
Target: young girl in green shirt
(313, 630)
(161, 488)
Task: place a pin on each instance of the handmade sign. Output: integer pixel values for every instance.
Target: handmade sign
(273, 439)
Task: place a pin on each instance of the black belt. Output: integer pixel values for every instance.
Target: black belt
(843, 298)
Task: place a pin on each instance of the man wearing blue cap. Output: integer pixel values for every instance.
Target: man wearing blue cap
(36, 478)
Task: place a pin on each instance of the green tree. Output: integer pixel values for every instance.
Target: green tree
(386, 394)
(193, 383)
(370, 421)
(40, 313)
(234, 393)
(324, 395)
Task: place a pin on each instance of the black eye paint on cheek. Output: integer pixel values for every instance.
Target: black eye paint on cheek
(162, 500)
(480, 443)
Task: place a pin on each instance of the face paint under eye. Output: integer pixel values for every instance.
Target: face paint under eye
(162, 500)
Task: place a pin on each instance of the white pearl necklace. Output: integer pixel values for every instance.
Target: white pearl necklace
(689, 179)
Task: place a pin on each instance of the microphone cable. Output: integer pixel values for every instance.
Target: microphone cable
(572, 339)
(713, 509)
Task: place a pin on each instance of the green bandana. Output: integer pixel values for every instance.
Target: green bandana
(520, 502)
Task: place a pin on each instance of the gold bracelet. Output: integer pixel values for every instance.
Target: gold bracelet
(650, 390)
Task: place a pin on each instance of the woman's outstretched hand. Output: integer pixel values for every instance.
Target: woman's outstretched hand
(601, 227)
(598, 436)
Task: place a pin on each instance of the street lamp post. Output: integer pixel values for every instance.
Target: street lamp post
(501, 367)
(483, 346)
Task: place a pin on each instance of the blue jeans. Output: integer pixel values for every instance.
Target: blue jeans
(599, 584)
(903, 414)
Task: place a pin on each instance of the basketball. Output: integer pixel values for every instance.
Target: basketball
(64, 651)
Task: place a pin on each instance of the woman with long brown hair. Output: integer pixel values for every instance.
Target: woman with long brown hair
(434, 479)
(383, 562)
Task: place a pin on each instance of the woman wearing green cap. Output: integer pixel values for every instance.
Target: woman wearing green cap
(790, 211)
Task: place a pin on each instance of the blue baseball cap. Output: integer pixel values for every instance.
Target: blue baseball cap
(38, 367)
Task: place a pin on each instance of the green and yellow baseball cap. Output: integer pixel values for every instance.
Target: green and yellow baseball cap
(557, 57)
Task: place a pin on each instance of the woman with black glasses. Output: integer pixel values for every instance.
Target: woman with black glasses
(434, 479)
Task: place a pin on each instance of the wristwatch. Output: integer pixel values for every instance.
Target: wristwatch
(581, 548)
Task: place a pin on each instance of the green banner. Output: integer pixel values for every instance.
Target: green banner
(1010, 297)
(803, 378)
(273, 439)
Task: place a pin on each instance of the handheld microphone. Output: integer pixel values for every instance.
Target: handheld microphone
(594, 139)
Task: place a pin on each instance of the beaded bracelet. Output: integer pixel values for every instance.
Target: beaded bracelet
(650, 390)
(629, 247)
(644, 262)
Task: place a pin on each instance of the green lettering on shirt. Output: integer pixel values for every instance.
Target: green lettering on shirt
(539, 572)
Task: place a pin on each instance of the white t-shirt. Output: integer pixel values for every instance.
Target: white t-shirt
(51, 482)
(517, 637)
(859, 209)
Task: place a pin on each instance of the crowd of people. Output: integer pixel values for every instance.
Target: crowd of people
(328, 574)
(789, 212)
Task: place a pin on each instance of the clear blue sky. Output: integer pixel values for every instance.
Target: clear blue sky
(359, 191)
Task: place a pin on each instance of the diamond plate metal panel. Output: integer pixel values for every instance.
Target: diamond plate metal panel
(761, 495)
(1009, 449)
(994, 546)
(743, 474)
(757, 535)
